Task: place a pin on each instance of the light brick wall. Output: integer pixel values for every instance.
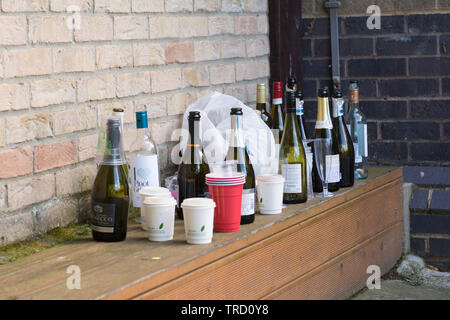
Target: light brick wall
(57, 82)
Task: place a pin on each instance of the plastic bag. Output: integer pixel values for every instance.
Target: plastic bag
(215, 127)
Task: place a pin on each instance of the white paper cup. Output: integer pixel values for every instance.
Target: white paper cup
(151, 192)
(159, 213)
(198, 216)
(269, 189)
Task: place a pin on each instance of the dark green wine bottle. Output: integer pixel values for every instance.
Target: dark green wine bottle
(292, 160)
(110, 193)
(292, 86)
(261, 104)
(193, 168)
(237, 154)
(299, 113)
(277, 113)
(324, 129)
(346, 151)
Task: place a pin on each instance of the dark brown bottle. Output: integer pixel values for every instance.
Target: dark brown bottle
(193, 168)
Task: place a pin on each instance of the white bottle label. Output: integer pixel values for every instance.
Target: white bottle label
(299, 106)
(358, 158)
(292, 174)
(248, 202)
(277, 101)
(362, 139)
(144, 173)
(333, 168)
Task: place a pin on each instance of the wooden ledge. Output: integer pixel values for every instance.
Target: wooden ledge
(320, 249)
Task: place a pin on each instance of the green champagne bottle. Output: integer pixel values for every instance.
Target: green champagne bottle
(345, 144)
(193, 168)
(292, 159)
(324, 129)
(110, 193)
(261, 104)
(237, 154)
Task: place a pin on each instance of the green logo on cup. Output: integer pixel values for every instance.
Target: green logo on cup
(161, 226)
(202, 229)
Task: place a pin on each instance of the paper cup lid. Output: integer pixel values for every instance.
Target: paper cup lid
(153, 191)
(160, 201)
(198, 202)
(270, 178)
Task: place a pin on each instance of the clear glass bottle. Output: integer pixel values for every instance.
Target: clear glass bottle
(144, 166)
(357, 123)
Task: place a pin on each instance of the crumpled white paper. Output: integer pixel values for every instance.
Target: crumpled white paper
(215, 127)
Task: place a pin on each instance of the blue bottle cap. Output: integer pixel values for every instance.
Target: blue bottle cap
(141, 119)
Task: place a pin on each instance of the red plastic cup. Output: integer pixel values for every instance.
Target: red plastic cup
(227, 213)
(227, 194)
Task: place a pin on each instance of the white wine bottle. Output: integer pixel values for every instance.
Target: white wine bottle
(144, 165)
(110, 193)
(292, 159)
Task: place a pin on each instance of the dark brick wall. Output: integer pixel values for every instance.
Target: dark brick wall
(404, 74)
(430, 213)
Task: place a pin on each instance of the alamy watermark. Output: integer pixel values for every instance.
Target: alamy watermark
(374, 280)
(374, 20)
(73, 281)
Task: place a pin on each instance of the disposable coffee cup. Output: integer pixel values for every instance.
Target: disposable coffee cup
(159, 215)
(269, 188)
(152, 192)
(198, 220)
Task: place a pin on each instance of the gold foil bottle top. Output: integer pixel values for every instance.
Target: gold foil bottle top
(261, 93)
(323, 114)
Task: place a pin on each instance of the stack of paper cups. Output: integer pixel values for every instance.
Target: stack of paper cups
(151, 192)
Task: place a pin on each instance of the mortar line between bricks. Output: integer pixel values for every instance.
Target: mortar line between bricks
(81, 75)
(96, 43)
(430, 235)
(179, 14)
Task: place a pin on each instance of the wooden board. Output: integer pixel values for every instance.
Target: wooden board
(267, 259)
